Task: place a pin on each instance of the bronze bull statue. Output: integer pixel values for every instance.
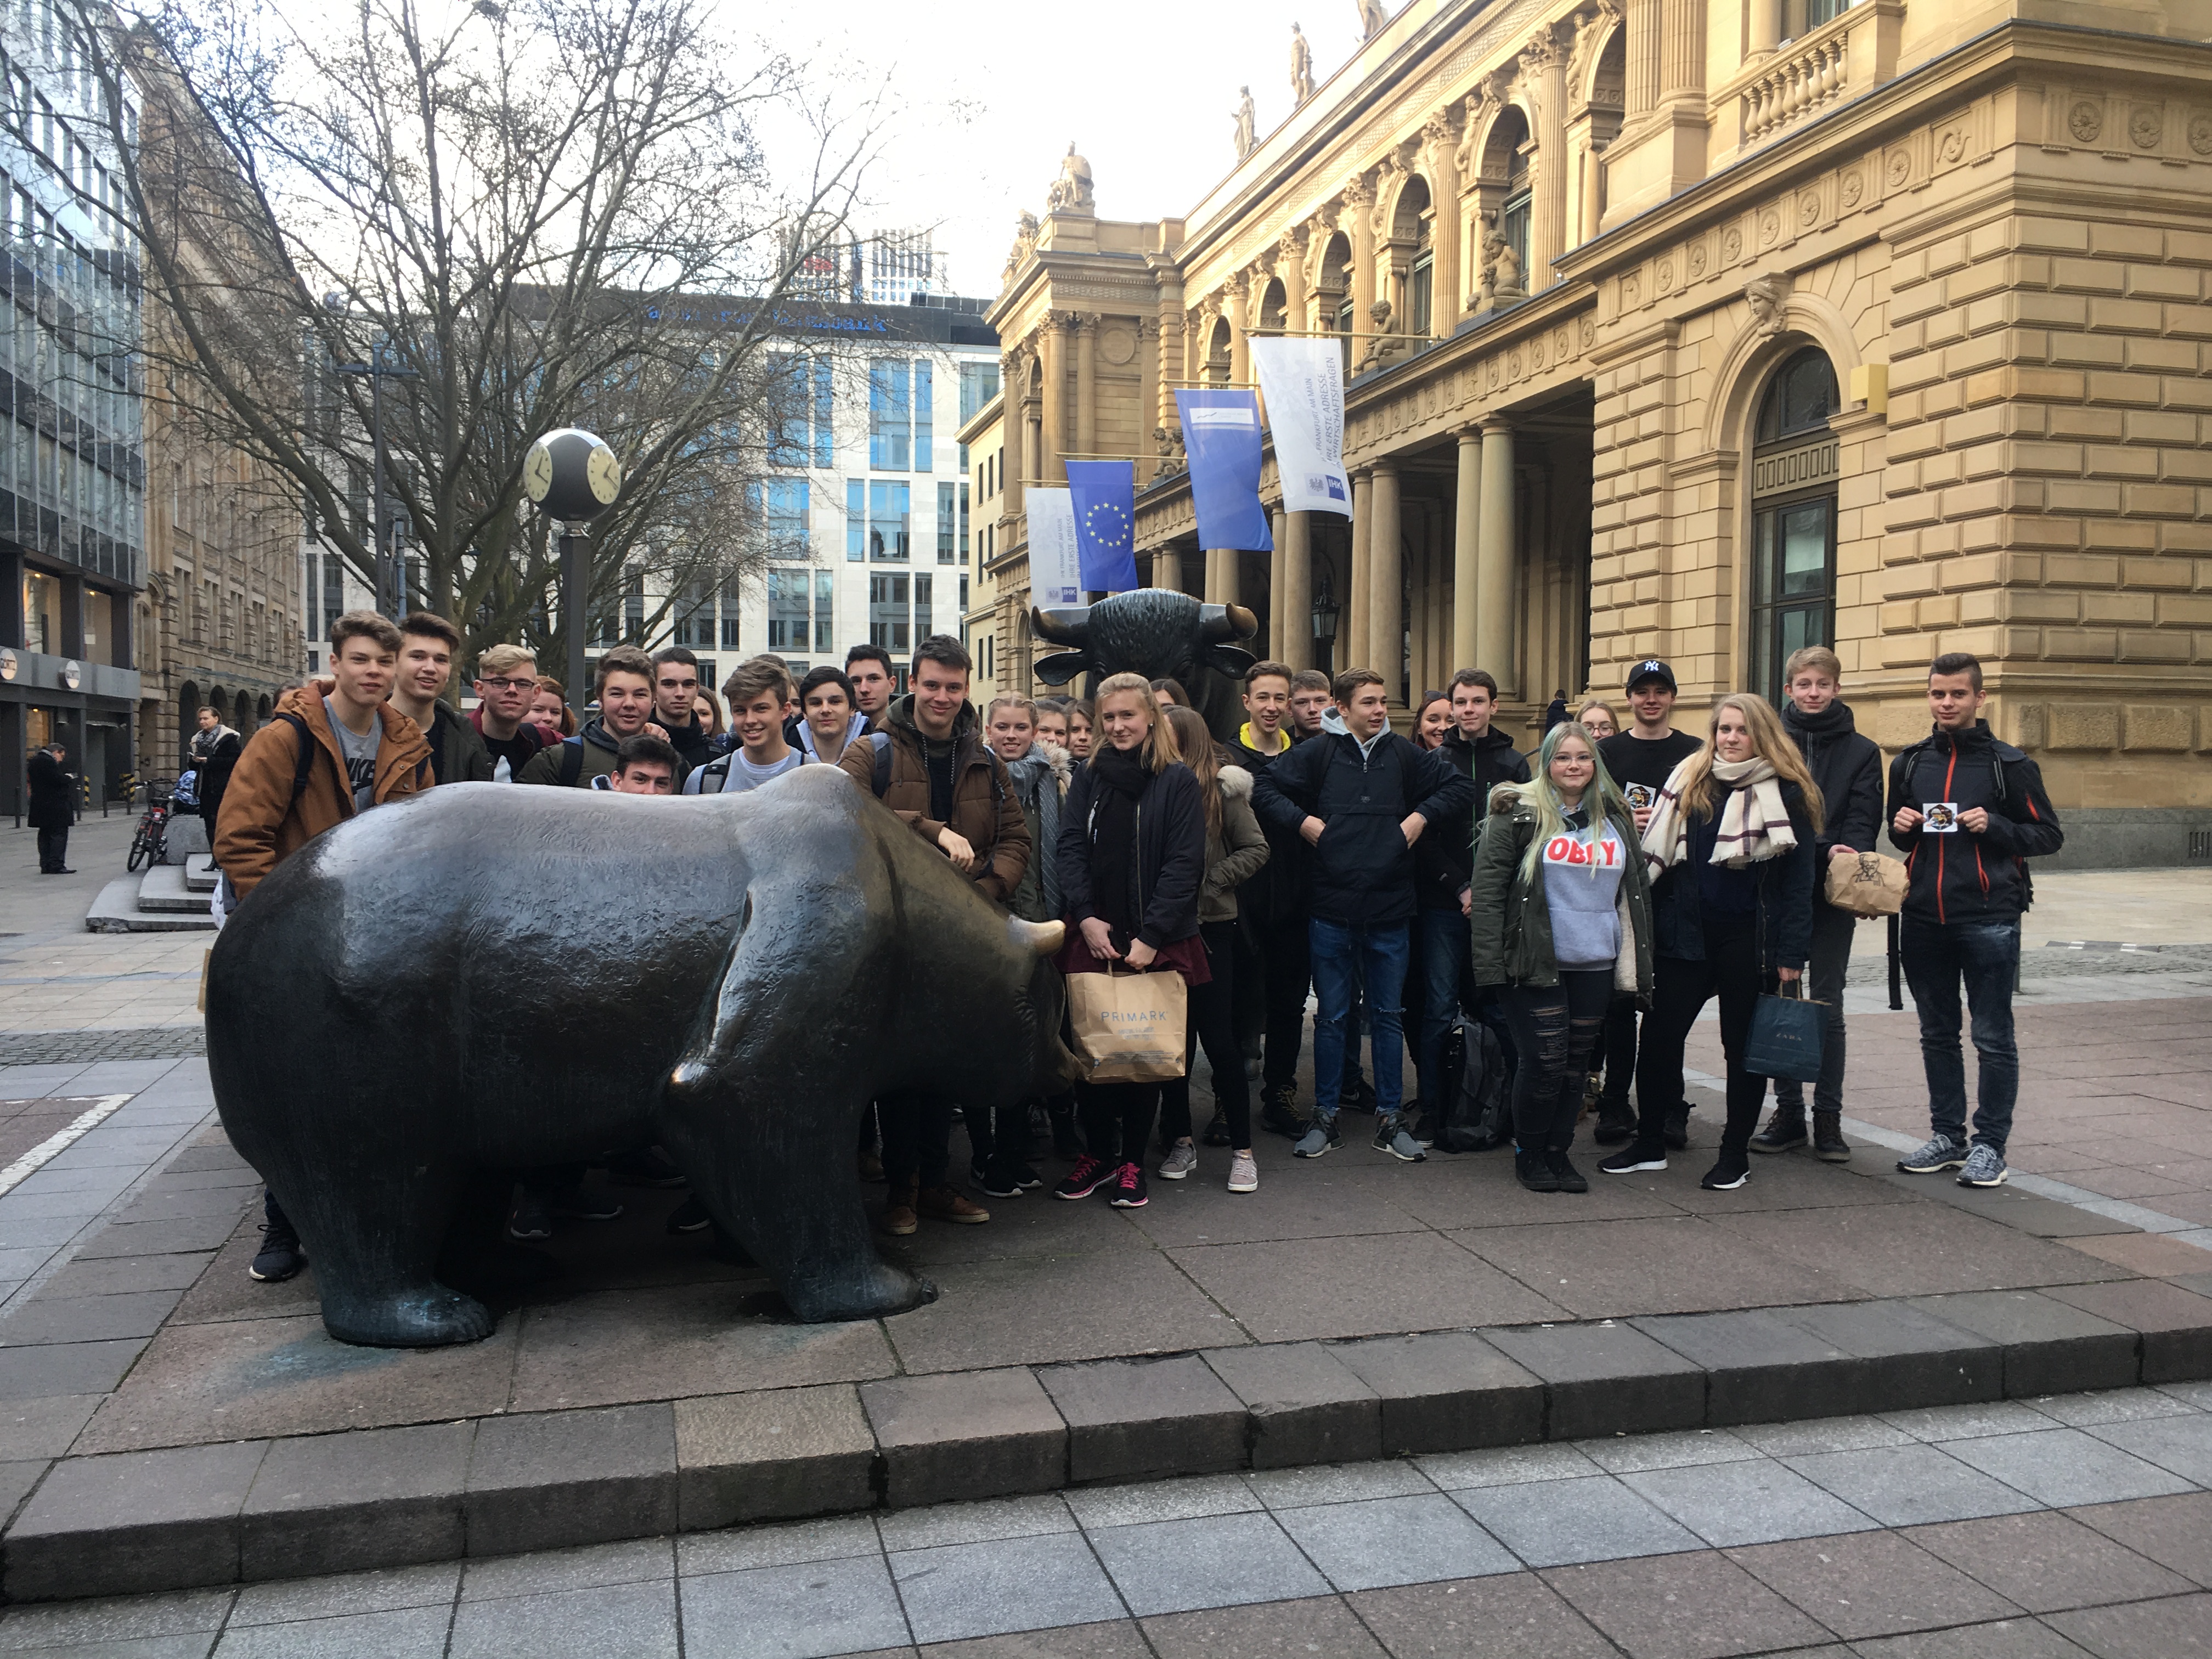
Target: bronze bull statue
(488, 978)
(1160, 634)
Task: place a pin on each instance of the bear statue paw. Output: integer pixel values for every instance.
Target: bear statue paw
(868, 1292)
(433, 1318)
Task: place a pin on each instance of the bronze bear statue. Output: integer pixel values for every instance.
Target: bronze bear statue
(488, 978)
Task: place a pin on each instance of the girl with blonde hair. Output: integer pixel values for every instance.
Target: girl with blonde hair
(1729, 847)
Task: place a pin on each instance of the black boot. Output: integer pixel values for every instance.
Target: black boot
(1616, 1122)
(1828, 1143)
(1278, 1111)
(1784, 1131)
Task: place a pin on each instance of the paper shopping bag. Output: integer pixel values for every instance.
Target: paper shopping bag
(1128, 1027)
(1868, 886)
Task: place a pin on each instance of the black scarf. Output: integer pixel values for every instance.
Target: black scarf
(1121, 778)
(1833, 721)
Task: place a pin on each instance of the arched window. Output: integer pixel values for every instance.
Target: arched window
(1414, 230)
(1793, 496)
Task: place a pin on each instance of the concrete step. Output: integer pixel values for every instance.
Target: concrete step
(165, 889)
(199, 873)
(116, 911)
(187, 838)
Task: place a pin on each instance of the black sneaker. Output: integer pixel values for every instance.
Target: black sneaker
(532, 1220)
(690, 1217)
(1635, 1157)
(1126, 1191)
(1217, 1131)
(1535, 1172)
(1571, 1179)
(1007, 1178)
(1616, 1123)
(279, 1256)
(581, 1203)
(1731, 1172)
(1677, 1130)
(644, 1168)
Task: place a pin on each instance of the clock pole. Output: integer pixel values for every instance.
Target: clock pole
(573, 477)
(575, 561)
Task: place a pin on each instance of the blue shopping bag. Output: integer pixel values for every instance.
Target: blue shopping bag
(1786, 1037)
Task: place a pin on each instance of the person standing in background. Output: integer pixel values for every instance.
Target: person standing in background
(53, 806)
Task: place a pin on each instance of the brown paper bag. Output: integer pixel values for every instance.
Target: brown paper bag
(1128, 1026)
(1868, 886)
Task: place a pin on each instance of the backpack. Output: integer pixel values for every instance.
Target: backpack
(1478, 1113)
(572, 761)
(719, 770)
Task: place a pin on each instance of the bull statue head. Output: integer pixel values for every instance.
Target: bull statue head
(1152, 631)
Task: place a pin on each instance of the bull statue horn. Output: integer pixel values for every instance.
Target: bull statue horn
(1219, 623)
(1042, 937)
(1063, 624)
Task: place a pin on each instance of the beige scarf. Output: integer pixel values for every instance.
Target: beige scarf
(1754, 824)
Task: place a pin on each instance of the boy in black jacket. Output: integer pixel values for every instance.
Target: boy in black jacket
(1272, 971)
(1968, 812)
(1361, 795)
(1848, 768)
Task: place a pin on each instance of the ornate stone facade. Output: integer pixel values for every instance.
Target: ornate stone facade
(1892, 336)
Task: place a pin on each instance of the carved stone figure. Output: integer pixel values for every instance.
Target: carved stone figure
(734, 977)
(1302, 80)
(1168, 440)
(1372, 17)
(1247, 124)
(1501, 282)
(1157, 633)
(1072, 191)
(1025, 238)
(1386, 345)
(1765, 297)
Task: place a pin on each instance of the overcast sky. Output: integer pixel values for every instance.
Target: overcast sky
(992, 93)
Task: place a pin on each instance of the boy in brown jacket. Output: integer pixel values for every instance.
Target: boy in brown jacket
(320, 761)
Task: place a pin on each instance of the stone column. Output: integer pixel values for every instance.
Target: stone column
(1295, 644)
(1238, 306)
(1643, 89)
(1086, 385)
(1467, 528)
(1352, 615)
(1149, 348)
(1765, 28)
(1221, 575)
(1291, 266)
(1168, 281)
(1051, 465)
(1543, 63)
(1358, 200)
(1682, 48)
(1278, 529)
(1386, 603)
(1445, 286)
(1167, 567)
(1494, 559)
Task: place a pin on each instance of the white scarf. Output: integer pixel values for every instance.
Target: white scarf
(1754, 824)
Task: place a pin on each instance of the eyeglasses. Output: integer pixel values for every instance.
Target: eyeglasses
(508, 685)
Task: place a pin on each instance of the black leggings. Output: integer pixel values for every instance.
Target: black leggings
(1212, 1021)
(1117, 1115)
(1678, 993)
(1555, 1030)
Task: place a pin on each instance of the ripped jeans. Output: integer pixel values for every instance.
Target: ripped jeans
(1556, 1031)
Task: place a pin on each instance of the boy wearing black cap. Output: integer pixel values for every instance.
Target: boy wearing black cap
(1640, 759)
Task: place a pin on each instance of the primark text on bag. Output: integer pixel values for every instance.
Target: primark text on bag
(1129, 1027)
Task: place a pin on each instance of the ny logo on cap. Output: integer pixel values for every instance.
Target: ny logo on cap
(1652, 666)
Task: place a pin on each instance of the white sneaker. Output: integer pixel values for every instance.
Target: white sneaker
(1243, 1173)
(1182, 1159)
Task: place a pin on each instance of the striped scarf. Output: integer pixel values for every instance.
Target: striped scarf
(1754, 824)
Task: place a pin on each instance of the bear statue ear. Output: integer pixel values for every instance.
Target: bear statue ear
(1061, 666)
(1233, 660)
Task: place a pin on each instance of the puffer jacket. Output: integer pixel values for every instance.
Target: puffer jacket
(985, 811)
(262, 825)
(1040, 779)
(1235, 853)
(1512, 912)
(1963, 877)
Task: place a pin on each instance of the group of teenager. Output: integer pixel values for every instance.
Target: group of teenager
(1588, 900)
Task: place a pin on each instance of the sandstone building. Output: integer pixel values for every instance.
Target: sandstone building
(1702, 328)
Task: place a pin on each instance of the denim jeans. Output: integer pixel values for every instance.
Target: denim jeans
(1444, 940)
(1986, 956)
(1379, 954)
(1831, 963)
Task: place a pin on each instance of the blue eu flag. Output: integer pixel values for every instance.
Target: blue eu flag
(1104, 495)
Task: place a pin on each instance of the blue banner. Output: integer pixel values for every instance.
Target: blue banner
(1221, 435)
(1104, 494)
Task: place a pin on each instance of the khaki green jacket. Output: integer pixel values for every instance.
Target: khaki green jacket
(1512, 920)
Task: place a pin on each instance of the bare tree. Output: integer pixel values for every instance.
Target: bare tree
(525, 217)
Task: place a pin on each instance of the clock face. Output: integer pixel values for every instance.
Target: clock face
(604, 473)
(537, 471)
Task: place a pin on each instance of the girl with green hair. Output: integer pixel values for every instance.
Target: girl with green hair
(1560, 904)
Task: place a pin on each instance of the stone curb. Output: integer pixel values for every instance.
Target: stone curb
(136, 1522)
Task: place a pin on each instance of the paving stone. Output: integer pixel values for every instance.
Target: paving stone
(1118, 1639)
(1163, 1500)
(2046, 1561)
(1339, 1483)
(589, 1566)
(744, 1547)
(204, 1232)
(776, 1452)
(626, 1621)
(1388, 1282)
(1686, 1606)
(1912, 1358)
(1506, 1465)
(2140, 1630)
(1756, 1502)
(2107, 1405)
(1558, 1522)
(1510, 1616)
(1906, 1486)
(142, 1521)
(96, 1628)
(1942, 1424)
(1447, 1391)
(373, 1497)
(1228, 1560)
(1873, 1584)
(2181, 1444)
(2049, 1347)
(1759, 1367)
(2065, 1467)
(1323, 1624)
(1684, 1448)
(399, 1634)
(1607, 1379)
(2174, 1532)
(284, 1602)
(963, 1590)
(1304, 1405)
(1129, 1418)
(1604, 1269)
(966, 1434)
(46, 1318)
(1379, 1542)
(987, 1520)
(65, 1368)
(2176, 1325)
(43, 1427)
(542, 1480)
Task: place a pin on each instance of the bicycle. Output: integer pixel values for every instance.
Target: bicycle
(149, 844)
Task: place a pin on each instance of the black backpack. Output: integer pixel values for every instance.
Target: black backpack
(1478, 1104)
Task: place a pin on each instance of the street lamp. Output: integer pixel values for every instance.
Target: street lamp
(1324, 612)
(390, 585)
(572, 476)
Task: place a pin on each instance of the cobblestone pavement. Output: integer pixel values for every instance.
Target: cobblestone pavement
(2073, 1525)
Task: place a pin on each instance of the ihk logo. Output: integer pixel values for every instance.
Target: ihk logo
(1336, 490)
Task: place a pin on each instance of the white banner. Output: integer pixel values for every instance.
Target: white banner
(1302, 381)
(1055, 567)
